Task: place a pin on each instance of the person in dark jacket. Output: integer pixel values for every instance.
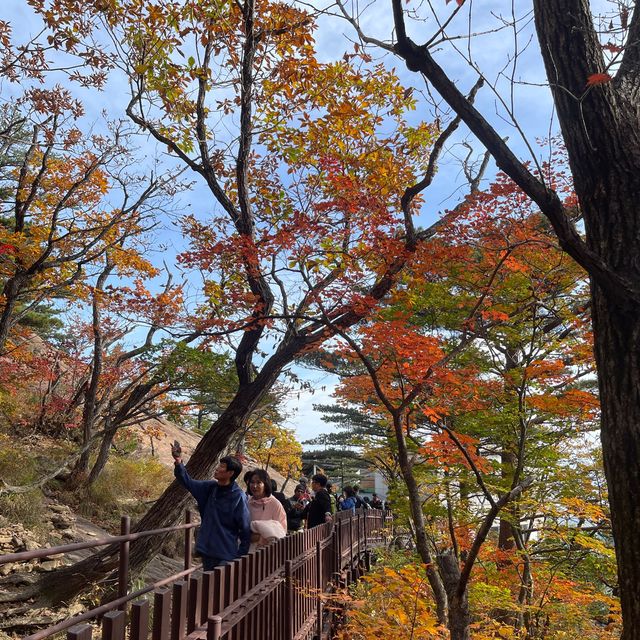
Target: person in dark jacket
(318, 511)
(358, 499)
(297, 503)
(225, 532)
(279, 496)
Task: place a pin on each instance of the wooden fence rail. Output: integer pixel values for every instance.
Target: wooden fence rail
(276, 593)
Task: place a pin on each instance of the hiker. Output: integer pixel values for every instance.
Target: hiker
(224, 531)
(332, 497)
(297, 503)
(318, 511)
(349, 502)
(268, 518)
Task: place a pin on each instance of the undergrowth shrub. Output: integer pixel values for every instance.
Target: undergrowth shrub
(26, 508)
(17, 466)
(125, 486)
(391, 602)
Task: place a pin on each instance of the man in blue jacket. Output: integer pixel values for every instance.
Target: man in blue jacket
(224, 531)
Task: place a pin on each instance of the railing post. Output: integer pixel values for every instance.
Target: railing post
(178, 610)
(288, 608)
(351, 548)
(194, 610)
(188, 537)
(214, 628)
(319, 586)
(113, 625)
(123, 568)
(360, 517)
(339, 549)
(367, 529)
(80, 632)
(161, 615)
(139, 629)
(207, 597)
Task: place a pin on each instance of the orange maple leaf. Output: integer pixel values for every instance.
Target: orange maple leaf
(598, 78)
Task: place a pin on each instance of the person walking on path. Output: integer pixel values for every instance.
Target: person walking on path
(268, 517)
(349, 502)
(318, 511)
(225, 532)
(332, 497)
(279, 496)
(358, 499)
(297, 503)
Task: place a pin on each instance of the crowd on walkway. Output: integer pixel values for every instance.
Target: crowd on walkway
(235, 522)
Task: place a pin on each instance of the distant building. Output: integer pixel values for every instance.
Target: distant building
(373, 482)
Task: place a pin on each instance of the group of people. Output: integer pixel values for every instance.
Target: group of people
(235, 522)
(349, 499)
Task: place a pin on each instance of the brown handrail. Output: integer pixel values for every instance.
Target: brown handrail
(231, 598)
(110, 606)
(76, 546)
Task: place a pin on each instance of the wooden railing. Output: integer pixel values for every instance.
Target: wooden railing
(276, 593)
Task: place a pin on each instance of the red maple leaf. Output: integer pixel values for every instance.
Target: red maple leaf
(598, 78)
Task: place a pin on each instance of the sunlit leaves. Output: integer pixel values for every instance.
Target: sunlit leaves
(275, 446)
(392, 603)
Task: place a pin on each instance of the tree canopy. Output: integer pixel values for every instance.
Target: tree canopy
(295, 183)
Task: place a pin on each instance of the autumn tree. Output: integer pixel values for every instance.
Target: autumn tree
(306, 164)
(591, 64)
(122, 383)
(272, 445)
(59, 213)
(479, 359)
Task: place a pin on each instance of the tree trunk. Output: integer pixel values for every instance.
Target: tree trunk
(506, 540)
(618, 356)
(103, 453)
(415, 502)
(10, 292)
(602, 136)
(459, 616)
(89, 414)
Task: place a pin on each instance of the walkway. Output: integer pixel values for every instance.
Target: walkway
(277, 593)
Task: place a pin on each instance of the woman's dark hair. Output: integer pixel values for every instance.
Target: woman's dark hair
(349, 492)
(264, 476)
(246, 477)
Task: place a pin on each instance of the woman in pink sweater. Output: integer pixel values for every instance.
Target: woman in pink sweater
(268, 518)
